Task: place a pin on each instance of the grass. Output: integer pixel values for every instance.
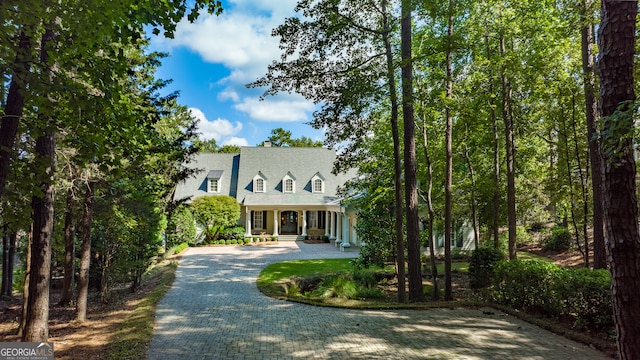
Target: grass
(132, 338)
(275, 281)
(285, 269)
(455, 266)
(524, 255)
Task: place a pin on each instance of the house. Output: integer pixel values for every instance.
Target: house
(282, 191)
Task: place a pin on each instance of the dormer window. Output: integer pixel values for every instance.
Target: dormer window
(214, 181)
(317, 183)
(259, 183)
(289, 183)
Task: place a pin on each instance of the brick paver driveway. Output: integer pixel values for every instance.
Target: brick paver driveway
(214, 311)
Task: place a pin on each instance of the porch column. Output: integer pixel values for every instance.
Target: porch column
(326, 223)
(338, 228)
(247, 232)
(345, 231)
(334, 221)
(304, 223)
(275, 222)
(330, 222)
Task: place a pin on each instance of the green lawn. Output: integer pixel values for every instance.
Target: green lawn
(285, 269)
(523, 255)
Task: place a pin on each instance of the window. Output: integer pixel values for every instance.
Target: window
(313, 220)
(288, 185)
(258, 220)
(317, 186)
(214, 178)
(259, 185)
(317, 183)
(214, 185)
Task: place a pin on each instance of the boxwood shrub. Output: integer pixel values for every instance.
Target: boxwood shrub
(581, 295)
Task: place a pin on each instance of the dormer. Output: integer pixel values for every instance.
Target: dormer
(289, 183)
(317, 183)
(259, 183)
(214, 181)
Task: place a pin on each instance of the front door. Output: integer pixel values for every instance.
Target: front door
(289, 223)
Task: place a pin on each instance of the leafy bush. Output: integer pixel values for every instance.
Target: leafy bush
(247, 240)
(578, 294)
(560, 240)
(178, 249)
(275, 238)
(536, 226)
(481, 265)
(229, 242)
(231, 233)
(181, 227)
(523, 237)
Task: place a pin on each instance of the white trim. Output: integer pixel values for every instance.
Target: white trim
(218, 183)
(288, 180)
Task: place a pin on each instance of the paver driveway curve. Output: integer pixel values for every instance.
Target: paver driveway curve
(214, 311)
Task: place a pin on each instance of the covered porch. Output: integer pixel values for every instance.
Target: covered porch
(292, 223)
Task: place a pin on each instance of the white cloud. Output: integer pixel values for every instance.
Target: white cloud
(236, 141)
(229, 94)
(240, 41)
(217, 129)
(274, 109)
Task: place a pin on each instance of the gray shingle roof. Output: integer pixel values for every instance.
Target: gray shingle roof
(275, 163)
(215, 166)
(237, 172)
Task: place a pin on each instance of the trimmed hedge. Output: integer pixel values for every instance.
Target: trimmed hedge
(178, 249)
(582, 295)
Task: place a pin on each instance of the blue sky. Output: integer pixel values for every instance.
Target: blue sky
(212, 60)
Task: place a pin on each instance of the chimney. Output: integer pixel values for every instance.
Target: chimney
(267, 144)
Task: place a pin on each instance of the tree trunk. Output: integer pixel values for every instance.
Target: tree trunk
(435, 296)
(474, 215)
(416, 292)
(583, 185)
(510, 146)
(8, 261)
(572, 209)
(37, 314)
(496, 159)
(69, 252)
(25, 288)
(599, 252)
(85, 254)
(36, 325)
(616, 36)
(448, 295)
(397, 161)
(14, 106)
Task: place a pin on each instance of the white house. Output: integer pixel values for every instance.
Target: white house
(285, 192)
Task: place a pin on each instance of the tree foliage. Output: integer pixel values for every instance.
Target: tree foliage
(215, 212)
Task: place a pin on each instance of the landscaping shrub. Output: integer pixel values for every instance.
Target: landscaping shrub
(481, 266)
(560, 240)
(229, 242)
(178, 249)
(232, 233)
(247, 240)
(581, 295)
